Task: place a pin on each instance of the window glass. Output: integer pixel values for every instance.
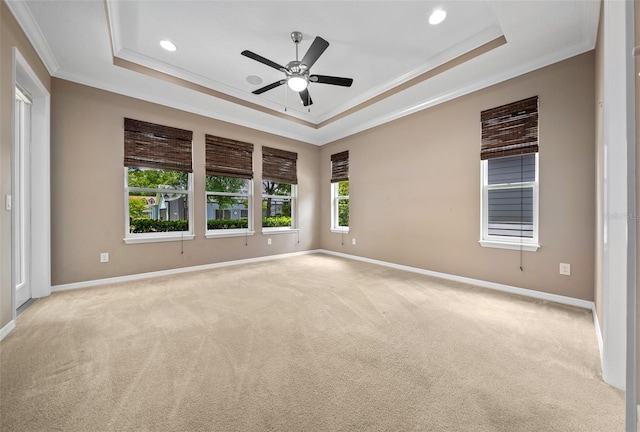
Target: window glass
(228, 203)
(340, 204)
(277, 204)
(510, 198)
(158, 200)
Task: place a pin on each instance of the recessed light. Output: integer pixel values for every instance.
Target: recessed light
(255, 80)
(168, 45)
(437, 16)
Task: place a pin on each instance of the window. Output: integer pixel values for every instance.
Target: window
(229, 187)
(279, 189)
(158, 183)
(509, 167)
(340, 192)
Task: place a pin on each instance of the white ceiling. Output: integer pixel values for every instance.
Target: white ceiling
(380, 44)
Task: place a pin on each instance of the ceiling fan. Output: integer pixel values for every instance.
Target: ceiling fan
(296, 72)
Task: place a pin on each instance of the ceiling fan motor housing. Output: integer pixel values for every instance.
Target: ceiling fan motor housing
(296, 68)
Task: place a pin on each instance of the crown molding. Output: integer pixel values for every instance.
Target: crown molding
(27, 22)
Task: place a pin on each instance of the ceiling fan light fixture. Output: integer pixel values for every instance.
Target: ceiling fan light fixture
(297, 83)
(437, 16)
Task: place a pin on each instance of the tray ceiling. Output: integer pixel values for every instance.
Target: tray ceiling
(398, 61)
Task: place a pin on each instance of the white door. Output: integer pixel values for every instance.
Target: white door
(22, 197)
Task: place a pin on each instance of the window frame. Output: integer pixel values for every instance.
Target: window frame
(508, 242)
(335, 208)
(132, 238)
(235, 232)
(294, 210)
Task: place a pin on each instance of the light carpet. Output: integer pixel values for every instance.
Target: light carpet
(310, 343)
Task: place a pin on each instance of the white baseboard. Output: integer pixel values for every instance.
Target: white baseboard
(476, 282)
(8, 328)
(118, 279)
(596, 323)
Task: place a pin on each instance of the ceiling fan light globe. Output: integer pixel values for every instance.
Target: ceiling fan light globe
(437, 16)
(297, 83)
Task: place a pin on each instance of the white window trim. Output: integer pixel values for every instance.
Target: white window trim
(132, 238)
(294, 212)
(334, 210)
(501, 242)
(279, 230)
(236, 232)
(229, 233)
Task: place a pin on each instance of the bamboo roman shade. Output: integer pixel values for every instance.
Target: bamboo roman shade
(510, 129)
(228, 158)
(340, 167)
(279, 166)
(150, 145)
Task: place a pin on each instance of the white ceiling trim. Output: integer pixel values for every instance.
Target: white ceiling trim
(147, 62)
(454, 93)
(112, 9)
(320, 137)
(27, 22)
(171, 103)
(462, 48)
(458, 50)
(387, 109)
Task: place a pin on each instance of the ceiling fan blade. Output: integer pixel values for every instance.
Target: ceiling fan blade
(262, 60)
(305, 98)
(333, 80)
(315, 51)
(268, 87)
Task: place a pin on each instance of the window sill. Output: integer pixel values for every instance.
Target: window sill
(158, 238)
(340, 230)
(279, 230)
(527, 247)
(228, 233)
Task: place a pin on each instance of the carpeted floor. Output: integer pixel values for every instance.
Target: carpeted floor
(311, 343)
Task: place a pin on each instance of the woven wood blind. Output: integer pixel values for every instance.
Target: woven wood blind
(228, 158)
(279, 166)
(149, 145)
(510, 129)
(340, 167)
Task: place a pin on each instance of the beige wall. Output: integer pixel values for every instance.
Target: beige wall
(87, 189)
(10, 35)
(415, 192)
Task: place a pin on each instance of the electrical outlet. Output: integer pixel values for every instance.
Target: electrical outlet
(104, 257)
(353, 241)
(269, 241)
(565, 269)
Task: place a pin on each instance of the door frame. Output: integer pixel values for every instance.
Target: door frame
(39, 179)
(21, 193)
